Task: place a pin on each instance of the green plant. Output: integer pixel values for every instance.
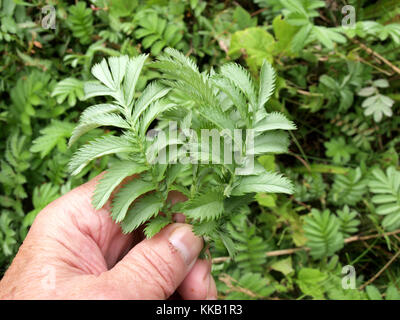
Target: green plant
(349, 188)
(334, 81)
(322, 232)
(81, 22)
(376, 104)
(348, 221)
(156, 33)
(386, 188)
(207, 109)
(339, 150)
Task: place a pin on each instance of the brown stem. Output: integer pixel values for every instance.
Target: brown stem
(380, 271)
(284, 252)
(377, 55)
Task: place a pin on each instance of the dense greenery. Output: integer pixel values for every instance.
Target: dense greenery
(337, 83)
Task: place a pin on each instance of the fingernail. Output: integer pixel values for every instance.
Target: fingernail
(186, 243)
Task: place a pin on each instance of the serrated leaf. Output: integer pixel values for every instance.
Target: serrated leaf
(366, 92)
(378, 105)
(228, 243)
(205, 207)
(271, 142)
(105, 119)
(381, 83)
(242, 79)
(70, 88)
(267, 83)
(153, 92)
(155, 225)
(103, 74)
(133, 71)
(274, 121)
(98, 148)
(205, 228)
(142, 210)
(51, 136)
(95, 89)
(152, 112)
(112, 178)
(266, 182)
(118, 68)
(126, 195)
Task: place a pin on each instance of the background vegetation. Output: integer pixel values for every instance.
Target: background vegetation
(338, 84)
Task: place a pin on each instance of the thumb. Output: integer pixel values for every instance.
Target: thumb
(155, 267)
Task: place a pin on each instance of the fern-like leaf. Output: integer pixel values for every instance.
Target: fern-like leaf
(51, 136)
(80, 21)
(208, 206)
(322, 233)
(271, 142)
(68, 89)
(133, 70)
(112, 178)
(143, 210)
(98, 148)
(267, 84)
(348, 221)
(242, 79)
(107, 119)
(274, 121)
(155, 225)
(349, 188)
(265, 182)
(126, 195)
(386, 188)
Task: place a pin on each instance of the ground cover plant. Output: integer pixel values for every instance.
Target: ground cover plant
(318, 217)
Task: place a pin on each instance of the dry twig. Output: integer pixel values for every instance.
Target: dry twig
(380, 271)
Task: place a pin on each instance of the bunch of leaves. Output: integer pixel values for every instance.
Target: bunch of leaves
(355, 126)
(156, 33)
(386, 190)
(301, 14)
(323, 233)
(376, 104)
(80, 21)
(320, 78)
(208, 108)
(348, 188)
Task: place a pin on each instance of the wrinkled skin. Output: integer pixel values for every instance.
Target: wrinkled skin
(73, 251)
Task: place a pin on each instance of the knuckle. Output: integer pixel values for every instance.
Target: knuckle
(158, 272)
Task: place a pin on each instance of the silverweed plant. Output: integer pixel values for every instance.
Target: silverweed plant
(163, 137)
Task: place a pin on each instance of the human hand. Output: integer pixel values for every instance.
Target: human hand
(73, 251)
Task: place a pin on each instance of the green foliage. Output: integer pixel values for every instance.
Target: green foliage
(323, 235)
(80, 21)
(68, 89)
(339, 150)
(250, 246)
(249, 286)
(311, 282)
(376, 104)
(118, 78)
(156, 33)
(259, 65)
(349, 188)
(348, 221)
(256, 43)
(53, 135)
(386, 188)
